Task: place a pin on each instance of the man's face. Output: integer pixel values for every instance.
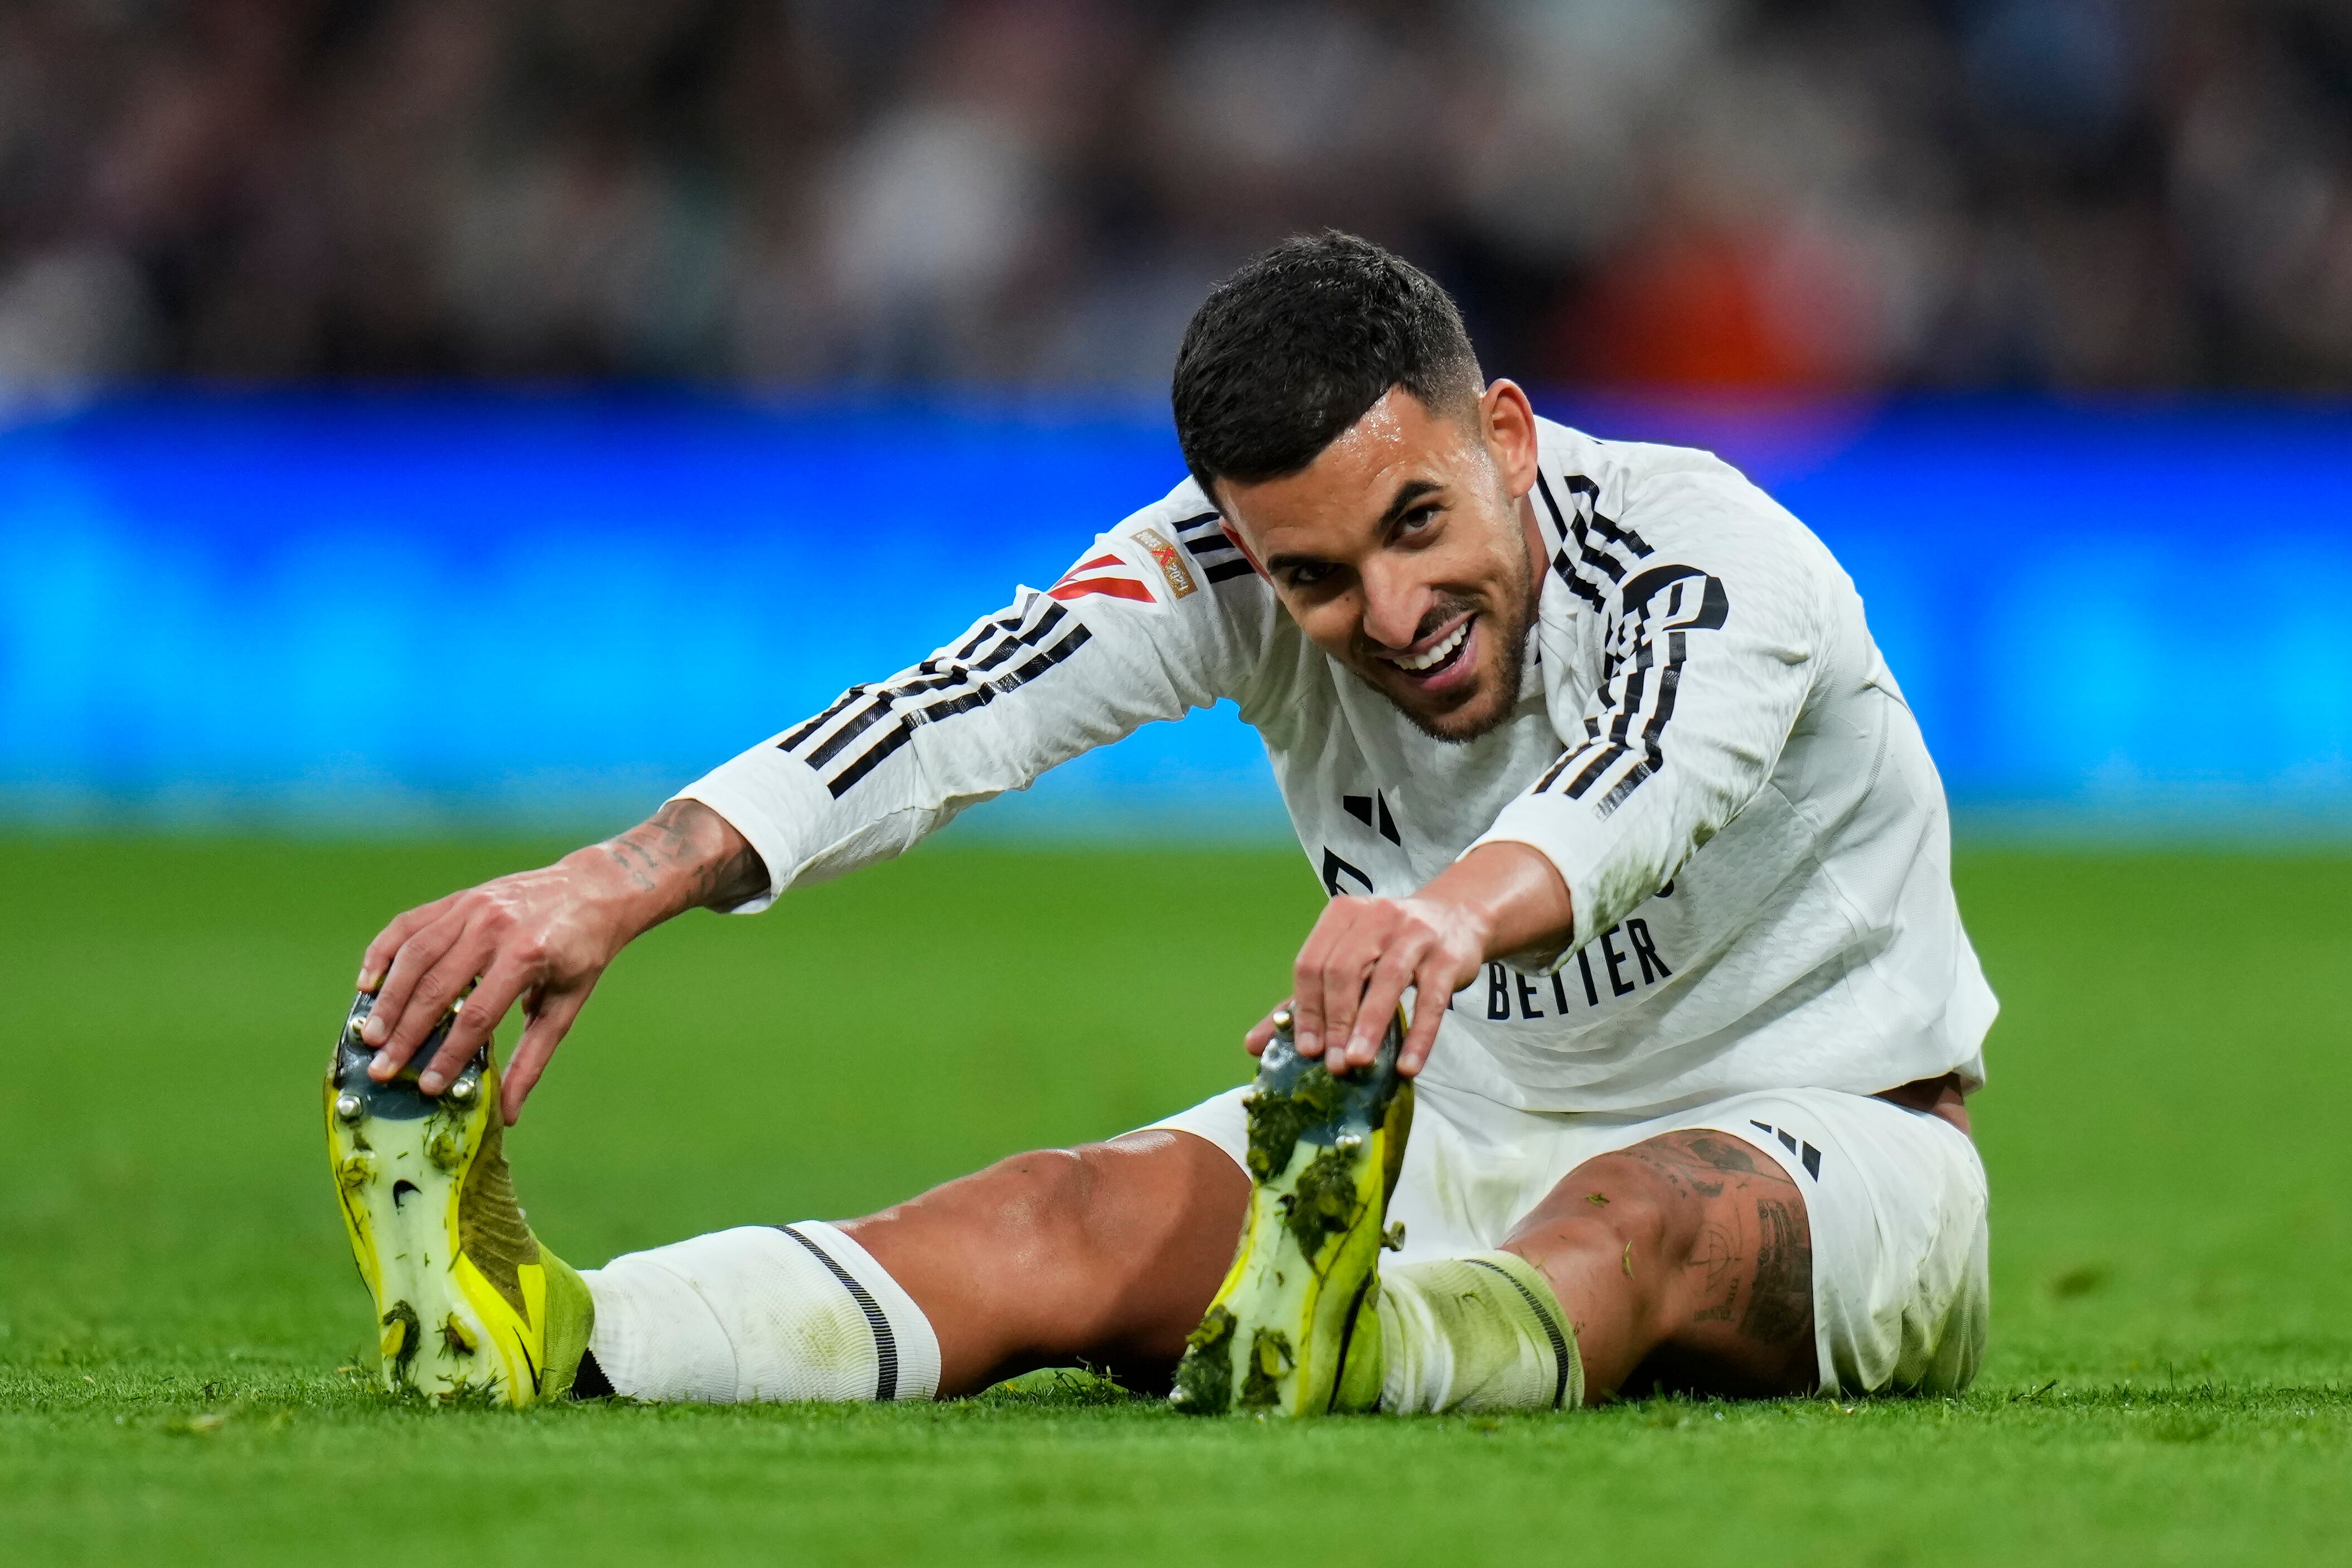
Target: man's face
(1406, 551)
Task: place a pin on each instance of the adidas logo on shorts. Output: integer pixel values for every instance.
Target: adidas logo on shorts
(1810, 1155)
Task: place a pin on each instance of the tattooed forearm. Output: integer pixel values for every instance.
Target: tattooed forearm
(688, 853)
(643, 866)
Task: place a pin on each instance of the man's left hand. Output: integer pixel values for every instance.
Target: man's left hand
(1364, 952)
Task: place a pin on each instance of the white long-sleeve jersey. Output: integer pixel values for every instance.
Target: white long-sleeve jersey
(1708, 747)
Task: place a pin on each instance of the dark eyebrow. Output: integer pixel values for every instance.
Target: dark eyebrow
(1410, 494)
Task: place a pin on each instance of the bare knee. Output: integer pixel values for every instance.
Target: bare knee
(1027, 1210)
(1613, 1218)
(1079, 1229)
(1041, 1209)
(1713, 1287)
(1115, 1213)
(1108, 1253)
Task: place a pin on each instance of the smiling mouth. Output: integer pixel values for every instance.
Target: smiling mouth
(1439, 656)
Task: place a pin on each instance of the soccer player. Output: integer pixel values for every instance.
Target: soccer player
(1639, 881)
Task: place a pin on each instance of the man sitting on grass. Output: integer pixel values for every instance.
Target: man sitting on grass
(1641, 928)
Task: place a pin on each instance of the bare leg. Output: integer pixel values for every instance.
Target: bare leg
(1107, 1253)
(1685, 1262)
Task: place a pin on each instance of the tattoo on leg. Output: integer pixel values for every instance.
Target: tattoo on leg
(1672, 1162)
(1718, 1252)
(1780, 1304)
(1725, 1155)
(1728, 1301)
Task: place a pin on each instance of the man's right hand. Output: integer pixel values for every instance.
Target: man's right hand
(542, 938)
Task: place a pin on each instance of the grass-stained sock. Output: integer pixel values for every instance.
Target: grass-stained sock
(1482, 1332)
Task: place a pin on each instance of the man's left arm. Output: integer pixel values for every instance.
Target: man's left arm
(1714, 624)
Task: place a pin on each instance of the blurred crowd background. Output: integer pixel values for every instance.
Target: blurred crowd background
(514, 297)
(1818, 194)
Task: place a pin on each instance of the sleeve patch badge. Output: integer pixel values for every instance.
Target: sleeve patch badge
(1114, 577)
(1170, 560)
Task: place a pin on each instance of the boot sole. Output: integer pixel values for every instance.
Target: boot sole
(1323, 1153)
(401, 1161)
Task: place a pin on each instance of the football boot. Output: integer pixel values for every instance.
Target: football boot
(1293, 1331)
(470, 1309)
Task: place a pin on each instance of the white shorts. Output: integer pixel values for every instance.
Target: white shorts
(1895, 1200)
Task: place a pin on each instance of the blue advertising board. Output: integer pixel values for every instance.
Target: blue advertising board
(381, 610)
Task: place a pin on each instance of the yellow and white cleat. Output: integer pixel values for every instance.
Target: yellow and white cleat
(1293, 1330)
(470, 1307)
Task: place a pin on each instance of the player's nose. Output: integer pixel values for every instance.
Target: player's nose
(1395, 604)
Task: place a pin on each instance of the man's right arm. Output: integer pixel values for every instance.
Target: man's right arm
(1159, 615)
(542, 938)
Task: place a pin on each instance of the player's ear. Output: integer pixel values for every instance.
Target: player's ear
(1509, 424)
(1243, 545)
(1225, 506)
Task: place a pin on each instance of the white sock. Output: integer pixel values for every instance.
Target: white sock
(1482, 1332)
(797, 1311)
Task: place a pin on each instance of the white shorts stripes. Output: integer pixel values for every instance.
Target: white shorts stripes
(1895, 1201)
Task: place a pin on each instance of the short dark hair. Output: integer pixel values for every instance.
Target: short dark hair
(1292, 348)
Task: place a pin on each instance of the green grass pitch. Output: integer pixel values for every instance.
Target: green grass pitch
(2171, 1371)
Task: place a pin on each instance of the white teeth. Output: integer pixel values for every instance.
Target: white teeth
(1434, 656)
